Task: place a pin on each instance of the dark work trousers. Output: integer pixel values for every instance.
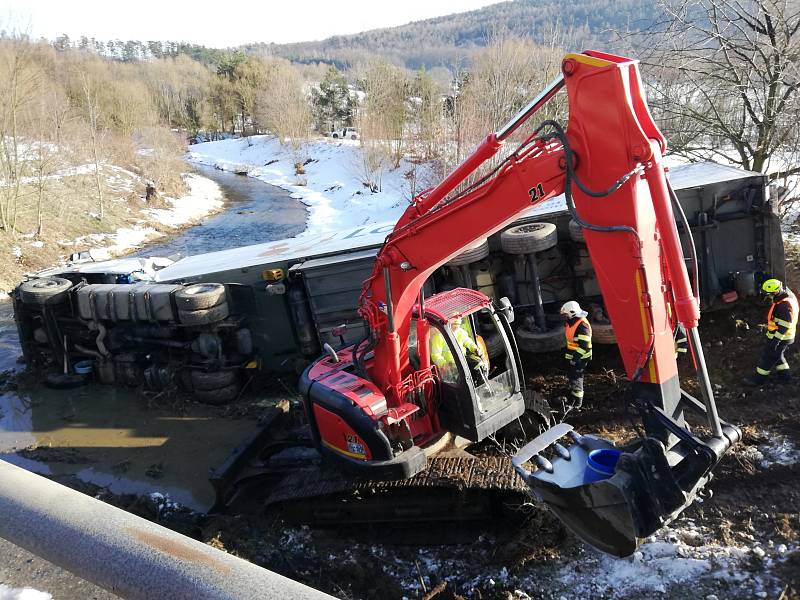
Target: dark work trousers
(575, 371)
(772, 359)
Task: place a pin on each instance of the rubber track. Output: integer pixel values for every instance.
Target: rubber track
(461, 473)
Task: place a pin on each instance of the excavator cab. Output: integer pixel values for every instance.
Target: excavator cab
(479, 393)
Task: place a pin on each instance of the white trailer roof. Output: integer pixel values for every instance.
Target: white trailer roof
(365, 236)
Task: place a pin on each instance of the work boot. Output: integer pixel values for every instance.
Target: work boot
(754, 380)
(577, 403)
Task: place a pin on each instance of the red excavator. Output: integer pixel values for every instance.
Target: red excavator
(381, 406)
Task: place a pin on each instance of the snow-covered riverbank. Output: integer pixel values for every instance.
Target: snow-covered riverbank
(133, 224)
(332, 186)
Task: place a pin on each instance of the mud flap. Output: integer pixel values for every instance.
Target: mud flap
(650, 486)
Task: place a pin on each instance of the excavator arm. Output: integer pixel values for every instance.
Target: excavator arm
(608, 163)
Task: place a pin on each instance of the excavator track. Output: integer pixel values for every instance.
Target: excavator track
(305, 490)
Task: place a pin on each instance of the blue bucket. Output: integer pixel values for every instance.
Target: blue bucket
(601, 464)
(83, 367)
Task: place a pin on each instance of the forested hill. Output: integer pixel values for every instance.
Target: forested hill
(448, 40)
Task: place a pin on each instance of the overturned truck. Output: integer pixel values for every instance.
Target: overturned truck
(205, 322)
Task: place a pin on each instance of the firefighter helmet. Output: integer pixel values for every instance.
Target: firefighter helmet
(573, 310)
(771, 286)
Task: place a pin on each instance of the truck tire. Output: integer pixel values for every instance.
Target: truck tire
(52, 290)
(219, 396)
(471, 255)
(529, 238)
(537, 342)
(494, 345)
(603, 333)
(202, 381)
(204, 317)
(576, 232)
(200, 296)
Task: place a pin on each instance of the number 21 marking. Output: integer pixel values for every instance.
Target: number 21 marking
(536, 192)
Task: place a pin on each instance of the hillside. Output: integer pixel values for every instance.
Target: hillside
(448, 40)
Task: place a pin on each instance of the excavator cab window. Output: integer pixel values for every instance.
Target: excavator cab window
(475, 386)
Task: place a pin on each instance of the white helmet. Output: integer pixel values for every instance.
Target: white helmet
(573, 310)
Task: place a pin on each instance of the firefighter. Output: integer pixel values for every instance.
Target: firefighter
(781, 326)
(579, 348)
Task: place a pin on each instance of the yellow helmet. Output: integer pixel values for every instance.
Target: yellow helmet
(771, 286)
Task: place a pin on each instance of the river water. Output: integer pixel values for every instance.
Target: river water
(115, 437)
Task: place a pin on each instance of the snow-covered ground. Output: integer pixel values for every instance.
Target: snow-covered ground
(203, 198)
(9, 593)
(332, 186)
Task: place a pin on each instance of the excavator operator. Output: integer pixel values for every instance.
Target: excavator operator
(781, 327)
(579, 348)
(443, 358)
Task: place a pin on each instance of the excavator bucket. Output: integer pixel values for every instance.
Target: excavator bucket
(613, 497)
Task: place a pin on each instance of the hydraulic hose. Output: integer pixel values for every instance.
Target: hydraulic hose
(692, 250)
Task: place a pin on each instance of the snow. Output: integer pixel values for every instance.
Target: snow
(332, 186)
(204, 197)
(778, 450)
(337, 199)
(9, 593)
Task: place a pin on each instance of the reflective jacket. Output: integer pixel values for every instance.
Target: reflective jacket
(782, 318)
(579, 339)
(440, 351)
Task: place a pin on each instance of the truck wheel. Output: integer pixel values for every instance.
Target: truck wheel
(200, 296)
(52, 290)
(494, 345)
(471, 255)
(218, 396)
(202, 381)
(603, 333)
(335, 136)
(204, 317)
(537, 342)
(526, 239)
(576, 232)
(354, 137)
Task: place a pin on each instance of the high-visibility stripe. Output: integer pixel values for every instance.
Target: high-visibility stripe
(577, 393)
(782, 367)
(568, 356)
(782, 322)
(761, 371)
(681, 350)
(583, 353)
(585, 338)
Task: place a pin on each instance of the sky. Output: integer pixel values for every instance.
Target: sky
(218, 24)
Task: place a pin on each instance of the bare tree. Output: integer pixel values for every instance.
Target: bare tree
(382, 119)
(20, 80)
(281, 104)
(44, 155)
(96, 131)
(724, 77)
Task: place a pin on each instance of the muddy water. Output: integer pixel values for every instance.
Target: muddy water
(110, 436)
